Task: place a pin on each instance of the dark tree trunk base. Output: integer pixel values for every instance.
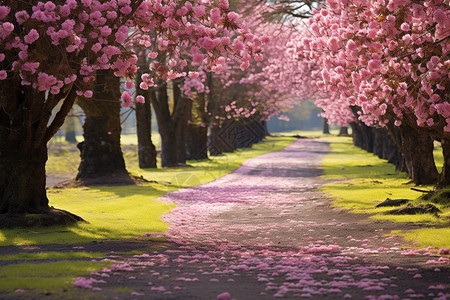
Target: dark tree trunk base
(49, 217)
(104, 180)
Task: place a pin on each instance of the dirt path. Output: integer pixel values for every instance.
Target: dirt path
(265, 232)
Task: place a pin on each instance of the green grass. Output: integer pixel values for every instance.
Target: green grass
(436, 237)
(360, 180)
(42, 277)
(110, 211)
(50, 255)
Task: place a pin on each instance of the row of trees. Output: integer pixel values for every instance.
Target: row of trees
(378, 63)
(373, 65)
(388, 62)
(56, 52)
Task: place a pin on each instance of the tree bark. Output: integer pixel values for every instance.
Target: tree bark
(325, 126)
(379, 139)
(343, 131)
(171, 126)
(197, 132)
(24, 133)
(23, 179)
(101, 156)
(362, 136)
(417, 151)
(146, 149)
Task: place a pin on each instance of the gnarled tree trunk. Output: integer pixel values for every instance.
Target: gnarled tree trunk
(24, 133)
(101, 156)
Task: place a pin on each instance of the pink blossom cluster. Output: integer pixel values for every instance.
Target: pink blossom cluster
(284, 78)
(87, 283)
(58, 45)
(195, 84)
(388, 57)
(191, 34)
(258, 92)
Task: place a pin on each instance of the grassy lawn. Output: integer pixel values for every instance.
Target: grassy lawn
(110, 211)
(362, 180)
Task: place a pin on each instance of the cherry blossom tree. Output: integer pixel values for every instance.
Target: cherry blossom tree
(50, 53)
(390, 58)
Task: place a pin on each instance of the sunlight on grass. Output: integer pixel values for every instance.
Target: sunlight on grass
(45, 276)
(111, 212)
(360, 180)
(131, 139)
(436, 237)
(50, 255)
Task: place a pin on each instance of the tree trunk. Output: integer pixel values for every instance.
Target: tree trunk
(379, 139)
(101, 156)
(24, 133)
(325, 126)
(179, 118)
(343, 131)
(215, 146)
(362, 136)
(197, 142)
(197, 132)
(172, 127)
(146, 148)
(417, 151)
(444, 177)
(23, 179)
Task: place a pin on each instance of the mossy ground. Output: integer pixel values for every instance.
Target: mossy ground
(112, 213)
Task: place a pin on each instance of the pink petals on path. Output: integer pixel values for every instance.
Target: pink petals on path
(224, 296)
(211, 247)
(86, 283)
